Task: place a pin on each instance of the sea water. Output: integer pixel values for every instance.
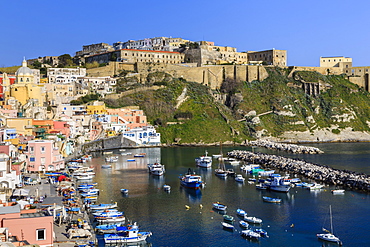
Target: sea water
(184, 217)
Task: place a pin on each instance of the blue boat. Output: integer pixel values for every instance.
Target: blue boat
(262, 232)
(103, 206)
(243, 224)
(270, 199)
(126, 234)
(191, 180)
(241, 212)
(107, 228)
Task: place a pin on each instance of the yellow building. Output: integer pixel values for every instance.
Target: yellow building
(96, 107)
(25, 87)
(23, 126)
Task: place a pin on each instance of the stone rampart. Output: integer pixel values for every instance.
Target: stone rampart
(114, 142)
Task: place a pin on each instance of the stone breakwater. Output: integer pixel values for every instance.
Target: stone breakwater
(320, 173)
(293, 148)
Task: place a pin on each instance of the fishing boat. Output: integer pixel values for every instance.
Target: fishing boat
(107, 228)
(204, 161)
(316, 186)
(103, 206)
(107, 213)
(106, 220)
(239, 178)
(127, 234)
(243, 224)
(277, 184)
(191, 180)
(227, 226)
(221, 170)
(241, 212)
(97, 212)
(219, 206)
(250, 234)
(131, 160)
(156, 169)
(271, 200)
(329, 235)
(253, 220)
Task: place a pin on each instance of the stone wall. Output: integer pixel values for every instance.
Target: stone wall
(113, 68)
(321, 70)
(114, 142)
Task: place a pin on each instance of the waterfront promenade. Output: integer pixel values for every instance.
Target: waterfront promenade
(52, 198)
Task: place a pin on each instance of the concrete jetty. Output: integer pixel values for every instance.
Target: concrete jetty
(293, 148)
(321, 173)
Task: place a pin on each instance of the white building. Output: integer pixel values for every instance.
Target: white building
(8, 177)
(101, 85)
(144, 136)
(65, 75)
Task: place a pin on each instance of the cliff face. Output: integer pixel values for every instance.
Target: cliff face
(281, 107)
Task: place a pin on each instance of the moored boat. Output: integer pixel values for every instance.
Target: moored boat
(250, 234)
(277, 184)
(191, 180)
(103, 206)
(337, 191)
(228, 218)
(241, 212)
(239, 178)
(166, 187)
(270, 199)
(243, 224)
(227, 225)
(124, 191)
(127, 234)
(156, 169)
(219, 206)
(204, 161)
(253, 220)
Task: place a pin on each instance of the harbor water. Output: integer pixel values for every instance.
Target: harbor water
(184, 217)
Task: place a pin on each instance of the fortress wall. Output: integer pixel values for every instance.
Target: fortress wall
(358, 80)
(321, 70)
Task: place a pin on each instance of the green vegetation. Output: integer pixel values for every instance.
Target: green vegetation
(279, 99)
(85, 99)
(9, 70)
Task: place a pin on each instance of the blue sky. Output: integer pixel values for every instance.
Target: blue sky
(306, 29)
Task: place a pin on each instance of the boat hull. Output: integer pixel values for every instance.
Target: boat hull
(114, 238)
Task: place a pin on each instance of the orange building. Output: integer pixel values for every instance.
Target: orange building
(134, 118)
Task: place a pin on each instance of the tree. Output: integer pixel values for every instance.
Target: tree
(36, 64)
(65, 60)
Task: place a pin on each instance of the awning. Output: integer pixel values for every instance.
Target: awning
(21, 192)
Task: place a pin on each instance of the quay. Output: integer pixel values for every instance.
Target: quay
(51, 198)
(292, 148)
(321, 173)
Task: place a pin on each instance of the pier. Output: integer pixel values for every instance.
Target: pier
(321, 173)
(292, 148)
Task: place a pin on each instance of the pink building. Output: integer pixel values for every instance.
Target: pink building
(62, 127)
(134, 118)
(43, 155)
(35, 228)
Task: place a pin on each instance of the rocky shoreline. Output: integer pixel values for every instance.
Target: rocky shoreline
(320, 173)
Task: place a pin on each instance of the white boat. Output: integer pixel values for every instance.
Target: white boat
(105, 220)
(124, 191)
(127, 234)
(106, 166)
(316, 186)
(250, 234)
(204, 161)
(111, 159)
(166, 187)
(231, 161)
(239, 178)
(277, 184)
(84, 177)
(337, 192)
(266, 173)
(243, 224)
(329, 235)
(241, 212)
(156, 169)
(227, 225)
(219, 206)
(216, 156)
(253, 220)
(103, 206)
(249, 167)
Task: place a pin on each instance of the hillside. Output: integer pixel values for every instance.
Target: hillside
(276, 108)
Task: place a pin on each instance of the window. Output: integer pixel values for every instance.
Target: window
(32, 159)
(40, 234)
(42, 149)
(31, 150)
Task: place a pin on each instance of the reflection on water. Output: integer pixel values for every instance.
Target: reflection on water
(194, 196)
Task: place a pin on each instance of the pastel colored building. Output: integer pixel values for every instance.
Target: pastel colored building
(23, 126)
(34, 228)
(43, 155)
(96, 107)
(134, 118)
